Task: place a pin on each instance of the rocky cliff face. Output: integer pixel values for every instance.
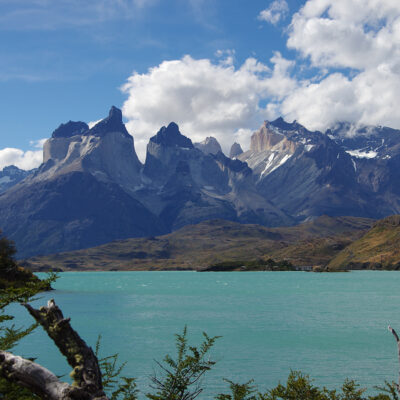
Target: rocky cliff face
(310, 173)
(82, 194)
(106, 151)
(271, 147)
(209, 145)
(188, 185)
(236, 150)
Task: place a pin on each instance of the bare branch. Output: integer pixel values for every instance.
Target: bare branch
(396, 336)
(32, 376)
(394, 333)
(86, 372)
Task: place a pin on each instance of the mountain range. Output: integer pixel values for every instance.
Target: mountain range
(92, 188)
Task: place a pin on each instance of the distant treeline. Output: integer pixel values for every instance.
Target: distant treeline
(251, 265)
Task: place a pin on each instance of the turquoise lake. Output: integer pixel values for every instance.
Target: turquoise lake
(330, 326)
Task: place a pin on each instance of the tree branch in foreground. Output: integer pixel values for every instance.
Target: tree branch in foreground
(396, 336)
(32, 376)
(86, 374)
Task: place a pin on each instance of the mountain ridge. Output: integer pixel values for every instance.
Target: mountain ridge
(289, 175)
(197, 246)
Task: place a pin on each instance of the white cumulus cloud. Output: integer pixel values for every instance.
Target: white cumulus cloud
(23, 159)
(356, 44)
(276, 12)
(346, 68)
(204, 98)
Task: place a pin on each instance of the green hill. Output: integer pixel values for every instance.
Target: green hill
(379, 248)
(196, 247)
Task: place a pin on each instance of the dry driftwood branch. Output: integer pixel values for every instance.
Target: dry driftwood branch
(396, 336)
(32, 376)
(86, 374)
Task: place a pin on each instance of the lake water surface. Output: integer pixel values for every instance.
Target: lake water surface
(330, 326)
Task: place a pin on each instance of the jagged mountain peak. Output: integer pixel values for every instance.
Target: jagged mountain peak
(11, 170)
(268, 137)
(236, 150)
(11, 175)
(105, 151)
(69, 129)
(366, 141)
(209, 145)
(171, 136)
(284, 126)
(113, 123)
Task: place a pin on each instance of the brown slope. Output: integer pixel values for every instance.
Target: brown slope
(197, 246)
(379, 248)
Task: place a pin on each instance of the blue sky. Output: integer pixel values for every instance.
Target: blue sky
(245, 61)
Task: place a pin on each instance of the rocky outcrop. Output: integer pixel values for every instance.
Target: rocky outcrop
(106, 151)
(268, 138)
(113, 123)
(209, 145)
(270, 148)
(236, 150)
(189, 186)
(171, 137)
(306, 173)
(71, 128)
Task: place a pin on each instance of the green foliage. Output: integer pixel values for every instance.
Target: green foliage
(181, 378)
(10, 335)
(111, 371)
(16, 285)
(300, 387)
(7, 252)
(390, 390)
(126, 389)
(239, 391)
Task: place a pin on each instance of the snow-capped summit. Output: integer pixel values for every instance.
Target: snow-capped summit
(362, 141)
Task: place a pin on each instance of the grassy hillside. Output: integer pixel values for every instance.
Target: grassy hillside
(211, 242)
(379, 248)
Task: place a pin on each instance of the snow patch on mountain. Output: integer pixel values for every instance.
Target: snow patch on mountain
(284, 159)
(309, 147)
(359, 153)
(268, 164)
